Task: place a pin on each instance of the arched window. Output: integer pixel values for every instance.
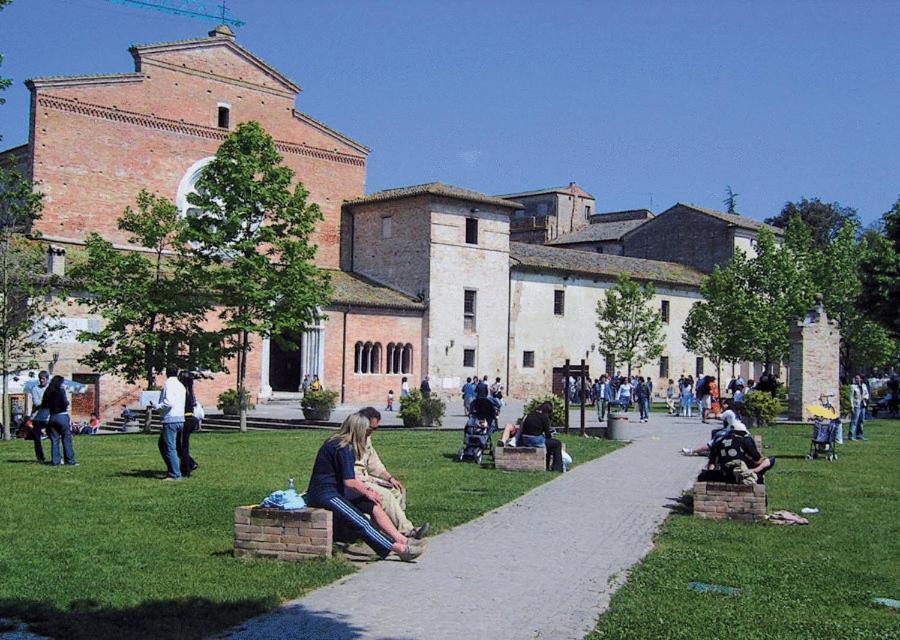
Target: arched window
(406, 363)
(366, 360)
(398, 358)
(188, 185)
(389, 361)
(375, 358)
(357, 357)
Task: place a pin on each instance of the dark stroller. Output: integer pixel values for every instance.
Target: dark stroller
(480, 426)
(823, 437)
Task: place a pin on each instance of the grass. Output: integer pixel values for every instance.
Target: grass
(106, 550)
(814, 581)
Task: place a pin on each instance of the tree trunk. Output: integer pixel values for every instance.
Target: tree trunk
(242, 376)
(7, 426)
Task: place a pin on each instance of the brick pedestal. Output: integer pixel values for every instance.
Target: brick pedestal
(721, 501)
(285, 535)
(520, 458)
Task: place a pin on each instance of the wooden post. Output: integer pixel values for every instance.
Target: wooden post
(582, 398)
(566, 392)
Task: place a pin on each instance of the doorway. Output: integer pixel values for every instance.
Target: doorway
(285, 372)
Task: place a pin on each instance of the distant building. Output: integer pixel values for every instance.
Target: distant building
(550, 213)
(604, 233)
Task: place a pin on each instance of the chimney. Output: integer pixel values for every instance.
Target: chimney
(222, 31)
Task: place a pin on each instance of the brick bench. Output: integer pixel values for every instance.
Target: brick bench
(520, 458)
(285, 535)
(723, 501)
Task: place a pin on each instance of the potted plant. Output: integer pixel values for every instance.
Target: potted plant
(229, 404)
(318, 405)
(418, 411)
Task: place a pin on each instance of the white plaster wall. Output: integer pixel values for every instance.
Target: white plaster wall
(554, 338)
(745, 242)
(455, 267)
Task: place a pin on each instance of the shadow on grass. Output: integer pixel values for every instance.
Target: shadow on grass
(32, 461)
(183, 619)
(156, 474)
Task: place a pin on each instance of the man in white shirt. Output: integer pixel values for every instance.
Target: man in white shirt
(859, 398)
(171, 408)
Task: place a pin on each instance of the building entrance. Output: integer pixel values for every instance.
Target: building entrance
(285, 372)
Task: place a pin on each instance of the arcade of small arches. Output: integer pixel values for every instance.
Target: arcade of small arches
(367, 358)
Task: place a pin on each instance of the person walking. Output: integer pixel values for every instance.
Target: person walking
(687, 397)
(643, 399)
(604, 396)
(40, 417)
(468, 394)
(171, 407)
(425, 387)
(404, 387)
(56, 402)
(671, 396)
(859, 398)
(193, 413)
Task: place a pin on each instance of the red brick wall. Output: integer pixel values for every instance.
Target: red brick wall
(370, 326)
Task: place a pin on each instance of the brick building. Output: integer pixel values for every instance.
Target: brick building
(427, 279)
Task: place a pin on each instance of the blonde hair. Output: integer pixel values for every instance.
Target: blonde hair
(353, 433)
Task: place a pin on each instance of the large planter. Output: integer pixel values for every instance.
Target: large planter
(316, 413)
(231, 411)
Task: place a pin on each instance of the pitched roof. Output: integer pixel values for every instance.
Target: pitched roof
(94, 78)
(742, 222)
(435, 189)
(358, 291)
(569, 189)
(541, 258)
(597, 232)
(318, 124)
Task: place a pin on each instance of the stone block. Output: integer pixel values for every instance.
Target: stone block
(520, 458)
(716, 500)
(286, 535)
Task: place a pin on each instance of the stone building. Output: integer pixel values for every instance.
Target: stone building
(428, 279)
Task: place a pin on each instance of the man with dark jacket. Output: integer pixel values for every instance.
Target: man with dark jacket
(536, 433)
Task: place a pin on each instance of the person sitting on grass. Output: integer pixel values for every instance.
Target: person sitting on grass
(535, 432)
(735, 459)
(334, 476)
(372, 471)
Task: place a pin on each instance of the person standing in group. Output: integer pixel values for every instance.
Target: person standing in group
(193, 413)
(40, 417)
(625, 394)
(404, 387)
(304, 386)
(482, 390)
(316, 384)
(171, 407)
(671, 396)
(497, 390)
(859, 398)
(425, 387)
(687, 397)
(604, 397)
(56, 402)
(468, 394)
(643, 398)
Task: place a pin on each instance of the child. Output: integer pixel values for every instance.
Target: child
(390, 401)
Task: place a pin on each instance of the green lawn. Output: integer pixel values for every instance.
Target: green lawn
(814, 581)
(106, 550)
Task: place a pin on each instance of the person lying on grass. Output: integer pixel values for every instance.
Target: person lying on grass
(333, 477)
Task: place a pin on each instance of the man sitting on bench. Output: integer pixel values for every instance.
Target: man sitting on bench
(535, 432)
(734, 458)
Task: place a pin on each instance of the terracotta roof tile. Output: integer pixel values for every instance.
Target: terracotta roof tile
(598, 232)
(358, 291)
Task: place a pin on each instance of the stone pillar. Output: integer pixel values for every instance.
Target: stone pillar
(814, 362)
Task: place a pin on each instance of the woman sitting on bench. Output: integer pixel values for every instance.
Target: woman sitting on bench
(333, 474)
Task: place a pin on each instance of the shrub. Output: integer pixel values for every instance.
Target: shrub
(318, 405)
(557, 416)
(845, 400)
(761, 407)
(418, 411)
(228, 401)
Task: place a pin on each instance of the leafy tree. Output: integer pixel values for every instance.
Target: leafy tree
(629, 326)
(780, 292)
(27, 316)
(717, 327)
(730, 200)
(250, 244)
(880, 273)
(824, 219)
(152, 313)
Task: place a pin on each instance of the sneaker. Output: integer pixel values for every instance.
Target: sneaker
(71, 464)
(170, 479)
(500, 443)
(422, 531)
(687, 452)
(411, 552)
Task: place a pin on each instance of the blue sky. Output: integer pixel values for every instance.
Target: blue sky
(635, 101)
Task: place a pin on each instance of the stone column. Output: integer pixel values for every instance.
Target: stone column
(814, 362)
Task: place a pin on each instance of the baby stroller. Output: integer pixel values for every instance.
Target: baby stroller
(480, 426)
(826, 423)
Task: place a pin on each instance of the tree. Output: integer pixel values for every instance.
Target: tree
(779, 293)
(26, 313)
(250, 244)
(880, 271)
(730, 200)
(153, 314)
(824, 219)
(629, 327)
(717, 327)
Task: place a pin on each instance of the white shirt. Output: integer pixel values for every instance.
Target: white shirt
(171, 401)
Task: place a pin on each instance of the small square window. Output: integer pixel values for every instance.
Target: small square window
(528, 359)
(471, 230)
(664, 311)
(469, 300)
(468, 357)
(559, 303)
(387, 224)
(224, 117)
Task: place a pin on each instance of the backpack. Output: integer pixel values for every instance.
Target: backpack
(703, 387)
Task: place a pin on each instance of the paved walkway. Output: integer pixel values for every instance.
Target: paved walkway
(543, 566)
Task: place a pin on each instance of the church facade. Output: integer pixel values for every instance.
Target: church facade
(428, 280)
